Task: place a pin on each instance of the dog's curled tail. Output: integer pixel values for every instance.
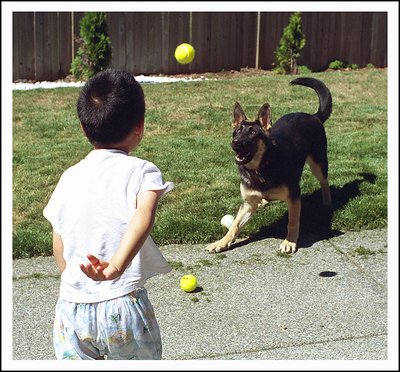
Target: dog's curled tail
(324, 95)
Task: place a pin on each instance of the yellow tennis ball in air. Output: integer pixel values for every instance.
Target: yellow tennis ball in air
(188, 283)
(184, 53)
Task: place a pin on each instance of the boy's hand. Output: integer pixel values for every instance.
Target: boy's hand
(99, 270)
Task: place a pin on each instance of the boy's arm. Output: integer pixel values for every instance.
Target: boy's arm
(58, 250)
(135, 235)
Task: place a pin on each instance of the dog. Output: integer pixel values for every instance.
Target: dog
(271, 159)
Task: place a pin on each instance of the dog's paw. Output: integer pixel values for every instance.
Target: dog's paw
(218, 246)
(288, 247)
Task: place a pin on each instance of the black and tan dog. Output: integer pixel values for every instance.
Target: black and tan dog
(271, 160)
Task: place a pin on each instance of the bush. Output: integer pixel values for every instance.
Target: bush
(337, 65)
(94, 52)
(292, 41)
(304, 70)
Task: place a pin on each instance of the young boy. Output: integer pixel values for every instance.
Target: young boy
(102, 212)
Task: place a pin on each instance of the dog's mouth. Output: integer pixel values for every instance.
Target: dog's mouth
(243, 157)
(244, 151)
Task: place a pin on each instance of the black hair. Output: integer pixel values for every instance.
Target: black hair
(109, 106)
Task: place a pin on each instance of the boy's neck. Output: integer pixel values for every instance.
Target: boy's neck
(120, 148)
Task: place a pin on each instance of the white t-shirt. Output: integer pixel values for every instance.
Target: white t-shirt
(90, 209)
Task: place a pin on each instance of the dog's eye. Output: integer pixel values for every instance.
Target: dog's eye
(252, 131)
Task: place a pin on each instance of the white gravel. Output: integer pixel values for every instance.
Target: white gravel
(140, 78)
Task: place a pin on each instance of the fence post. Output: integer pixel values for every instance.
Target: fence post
(72, 37)
(190, 27)
(257, 64)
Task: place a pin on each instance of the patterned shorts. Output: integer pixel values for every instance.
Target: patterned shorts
(121, 328)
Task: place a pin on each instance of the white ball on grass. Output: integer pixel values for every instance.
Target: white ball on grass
(227, 220)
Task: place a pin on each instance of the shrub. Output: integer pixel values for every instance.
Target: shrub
(288, 51)
(337, 65)
(94, 52)
(304, 70)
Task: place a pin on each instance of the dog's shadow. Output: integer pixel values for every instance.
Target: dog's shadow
(315, 219)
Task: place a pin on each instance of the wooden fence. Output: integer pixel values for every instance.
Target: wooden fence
(144, 42)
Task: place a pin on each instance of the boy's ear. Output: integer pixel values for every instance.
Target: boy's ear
(265, 116)
(238, 115)
(139, 129)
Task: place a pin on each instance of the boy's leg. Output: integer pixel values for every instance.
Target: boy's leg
(132, 330)
(67, 343)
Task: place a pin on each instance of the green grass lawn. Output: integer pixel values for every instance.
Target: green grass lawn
(188, 133)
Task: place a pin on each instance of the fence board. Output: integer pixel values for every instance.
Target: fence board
(177, 33)
(310, 28)
(215, 32)
(144, 42)
(243, 45)
(333, 22)
(117, 31)
(154, 53)
(46, 46)
(355, 40)
(23, 46)
(247, 40)
(65, 41)
(379, 39)
(130, 44)
(318, 29)
(271, 29)
(201, 31)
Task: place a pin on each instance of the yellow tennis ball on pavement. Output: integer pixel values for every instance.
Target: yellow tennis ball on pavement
(184, 53)
(188, 283)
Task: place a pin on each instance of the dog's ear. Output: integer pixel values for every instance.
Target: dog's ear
(265, 116)
(238, 115)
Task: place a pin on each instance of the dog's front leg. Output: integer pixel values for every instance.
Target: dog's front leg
(289, 245)
(246, 210)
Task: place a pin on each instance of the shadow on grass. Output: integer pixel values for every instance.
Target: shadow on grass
(315, 219)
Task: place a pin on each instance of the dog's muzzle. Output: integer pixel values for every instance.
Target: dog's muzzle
(244, 152)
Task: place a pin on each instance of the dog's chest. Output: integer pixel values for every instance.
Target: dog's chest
(257, 180)
(267, 189)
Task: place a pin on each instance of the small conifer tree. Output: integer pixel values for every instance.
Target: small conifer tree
(288, 51)
(94, 52)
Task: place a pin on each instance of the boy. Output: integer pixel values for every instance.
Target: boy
(102, 212)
